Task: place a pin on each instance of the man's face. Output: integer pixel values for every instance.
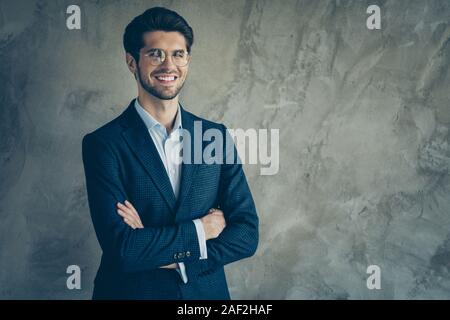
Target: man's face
(166, 80)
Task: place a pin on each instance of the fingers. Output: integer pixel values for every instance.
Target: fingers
(129, 207)
(215, 211)
(218, 213)
(130, 215)
(131, 221)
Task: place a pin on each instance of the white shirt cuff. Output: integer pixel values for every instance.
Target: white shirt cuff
(203, 251)
(201, 238)
(182, 271)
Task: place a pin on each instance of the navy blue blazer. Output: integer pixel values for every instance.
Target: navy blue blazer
(121, 162)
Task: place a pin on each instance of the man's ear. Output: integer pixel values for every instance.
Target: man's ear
(131, 63)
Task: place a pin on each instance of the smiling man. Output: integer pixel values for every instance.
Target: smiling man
(166, 227)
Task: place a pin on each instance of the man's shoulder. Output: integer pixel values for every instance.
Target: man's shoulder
(108, 131)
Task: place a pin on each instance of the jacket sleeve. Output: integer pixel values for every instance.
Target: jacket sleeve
(132, 250)
(239, 239)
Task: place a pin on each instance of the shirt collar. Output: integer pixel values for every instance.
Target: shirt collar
(151, 122)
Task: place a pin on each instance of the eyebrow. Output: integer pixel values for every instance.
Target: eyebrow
(174, 51)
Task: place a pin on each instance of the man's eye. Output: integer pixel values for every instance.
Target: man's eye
(179, 54)
(155, 54)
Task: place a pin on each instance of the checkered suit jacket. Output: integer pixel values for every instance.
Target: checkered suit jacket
(121, 162)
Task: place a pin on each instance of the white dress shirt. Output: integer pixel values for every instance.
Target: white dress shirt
(168, 146)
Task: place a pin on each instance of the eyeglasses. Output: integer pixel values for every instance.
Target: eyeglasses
(157, 57)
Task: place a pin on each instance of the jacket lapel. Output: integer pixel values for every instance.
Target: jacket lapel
(141, 143)
(187, 169)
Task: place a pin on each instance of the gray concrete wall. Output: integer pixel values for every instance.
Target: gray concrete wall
(364, 139)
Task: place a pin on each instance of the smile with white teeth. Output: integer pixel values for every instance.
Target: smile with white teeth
(165, 78)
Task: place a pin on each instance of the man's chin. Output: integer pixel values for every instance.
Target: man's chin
(163, 95)
(166, 97)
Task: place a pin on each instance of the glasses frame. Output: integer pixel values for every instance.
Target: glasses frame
(165, 55)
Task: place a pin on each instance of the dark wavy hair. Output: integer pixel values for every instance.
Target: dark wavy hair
(155, 19)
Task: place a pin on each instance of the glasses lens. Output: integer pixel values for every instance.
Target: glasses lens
(158, 56)
(181, 58)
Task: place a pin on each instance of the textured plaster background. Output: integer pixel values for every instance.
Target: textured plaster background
(364, 139)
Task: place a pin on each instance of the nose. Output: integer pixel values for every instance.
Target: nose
(168, 63)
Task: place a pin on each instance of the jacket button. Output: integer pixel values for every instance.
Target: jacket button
(175, 256)
(181, 255)
(188, 254)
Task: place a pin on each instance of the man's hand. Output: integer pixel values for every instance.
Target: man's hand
(213, 223)
(129, 215)
(131, 218)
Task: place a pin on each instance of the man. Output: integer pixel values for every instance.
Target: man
(166, 227)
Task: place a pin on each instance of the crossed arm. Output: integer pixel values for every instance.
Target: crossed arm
(142, 249)
(213, 222)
